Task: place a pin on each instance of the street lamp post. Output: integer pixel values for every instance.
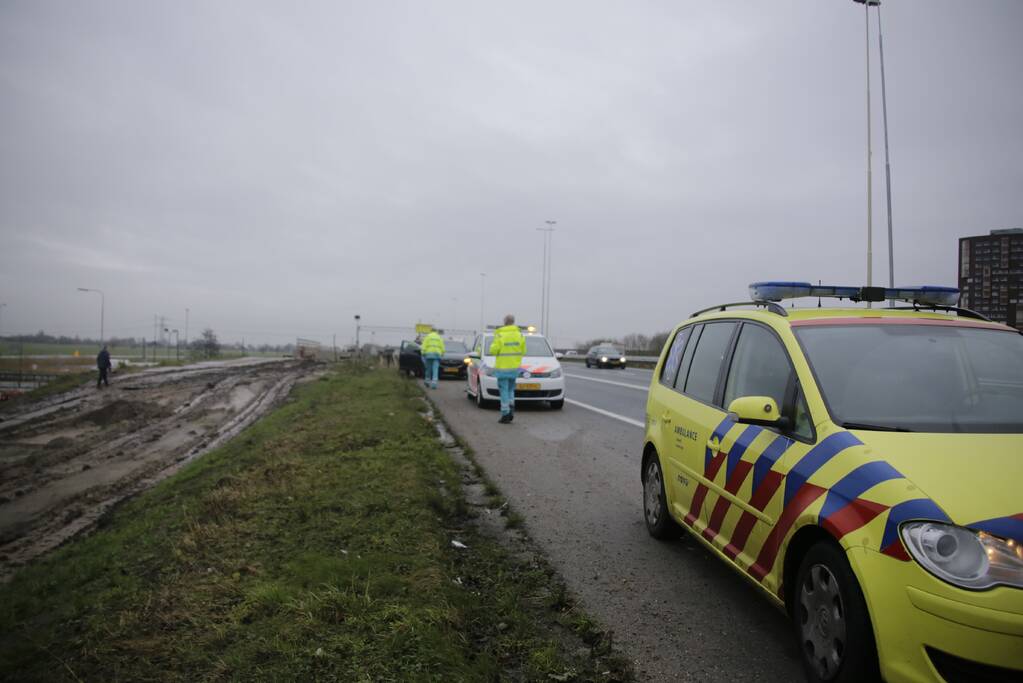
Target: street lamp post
(545, 289)
(870, 188)
(867, 4)
(102, 306)
(483, 291)
(887, 162)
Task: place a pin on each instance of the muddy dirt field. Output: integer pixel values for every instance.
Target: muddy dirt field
(67, 460)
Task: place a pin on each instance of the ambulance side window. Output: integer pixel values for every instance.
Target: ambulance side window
(687, 357)
(802, 424)
(674, 359)
(705, 369)
(760, 366)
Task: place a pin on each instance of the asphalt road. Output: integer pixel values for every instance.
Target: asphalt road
(677, 611)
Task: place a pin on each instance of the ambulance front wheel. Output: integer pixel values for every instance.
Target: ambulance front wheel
(829, 614)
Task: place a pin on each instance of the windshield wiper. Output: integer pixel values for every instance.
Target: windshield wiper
(873, 428)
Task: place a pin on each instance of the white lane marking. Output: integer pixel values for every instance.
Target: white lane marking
(608, 381)
(608, 413)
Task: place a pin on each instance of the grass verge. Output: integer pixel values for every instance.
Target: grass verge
(315, 546)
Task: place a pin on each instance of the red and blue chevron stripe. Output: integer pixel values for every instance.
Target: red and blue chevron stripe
(918, 508)
(799, 495)
(1005, 527)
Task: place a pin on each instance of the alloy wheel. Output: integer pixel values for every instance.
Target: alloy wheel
(822, 621)
(652, 487)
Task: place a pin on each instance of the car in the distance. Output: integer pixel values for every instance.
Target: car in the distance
(452, 363)
(605, 356)
(540, 374)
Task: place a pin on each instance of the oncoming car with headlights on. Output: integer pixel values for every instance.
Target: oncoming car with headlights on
(605, 356)
(861, 467)
(540, 375)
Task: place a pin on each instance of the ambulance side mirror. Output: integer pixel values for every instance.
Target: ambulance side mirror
(758, 410)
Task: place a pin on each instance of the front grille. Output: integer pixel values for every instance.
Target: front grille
(528, 393)
(958, 670)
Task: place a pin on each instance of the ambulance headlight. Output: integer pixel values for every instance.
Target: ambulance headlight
(964, 557)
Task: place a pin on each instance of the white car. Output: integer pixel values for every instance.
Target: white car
(540, 375)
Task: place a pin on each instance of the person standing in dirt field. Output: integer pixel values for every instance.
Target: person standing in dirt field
(103, 364)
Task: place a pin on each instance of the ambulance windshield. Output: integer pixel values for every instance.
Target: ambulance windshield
(920, 378)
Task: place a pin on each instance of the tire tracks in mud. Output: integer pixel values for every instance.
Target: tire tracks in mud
(66, 463)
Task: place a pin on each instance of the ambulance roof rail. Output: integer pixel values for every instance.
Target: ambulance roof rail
(769, 305)
(961, 312)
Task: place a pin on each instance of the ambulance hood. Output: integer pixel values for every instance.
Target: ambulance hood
(973, 478)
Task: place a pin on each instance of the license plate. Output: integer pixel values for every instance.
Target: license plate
(528, 386)
(451, 371)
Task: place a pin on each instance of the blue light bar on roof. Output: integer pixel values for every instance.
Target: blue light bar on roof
(777, 291)
(925, 296)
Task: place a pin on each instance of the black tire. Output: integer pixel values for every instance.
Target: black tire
(830, 619)
(558, 405)
(658, 520)
(481, 402)
(587, 363)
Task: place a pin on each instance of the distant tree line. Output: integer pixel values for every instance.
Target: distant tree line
(41, 337)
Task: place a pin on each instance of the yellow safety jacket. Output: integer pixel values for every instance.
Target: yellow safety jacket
(432, 343)
(509, 346)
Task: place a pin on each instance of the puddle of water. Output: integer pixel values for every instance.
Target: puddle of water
(242, 395)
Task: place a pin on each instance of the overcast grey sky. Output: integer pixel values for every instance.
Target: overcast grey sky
(279, 167)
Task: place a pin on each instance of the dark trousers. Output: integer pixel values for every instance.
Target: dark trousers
(103, 372)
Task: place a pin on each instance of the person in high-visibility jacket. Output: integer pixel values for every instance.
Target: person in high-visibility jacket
(509, 346)
(432, 350)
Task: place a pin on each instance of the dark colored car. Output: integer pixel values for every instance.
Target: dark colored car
(452, 363)
(410, 359)
(605, 356)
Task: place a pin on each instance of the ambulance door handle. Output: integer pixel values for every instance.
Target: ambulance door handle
(714, 443)
(666, 418)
